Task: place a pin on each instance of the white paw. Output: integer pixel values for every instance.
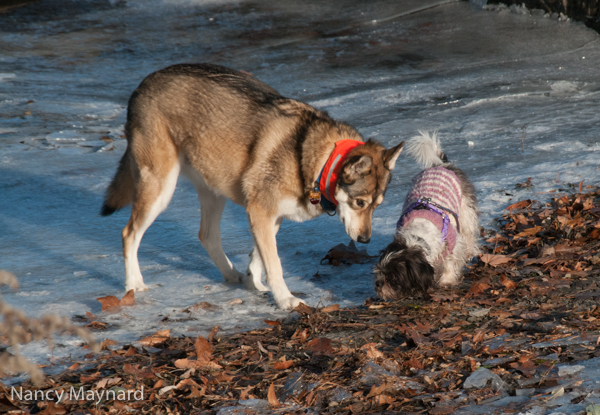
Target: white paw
(250, 284)
(139, 286)
(289, 303)
(234, 277)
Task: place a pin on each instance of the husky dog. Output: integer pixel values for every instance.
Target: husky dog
(437, 231)
(237, 138)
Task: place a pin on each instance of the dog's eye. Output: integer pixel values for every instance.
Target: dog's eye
(360, 203)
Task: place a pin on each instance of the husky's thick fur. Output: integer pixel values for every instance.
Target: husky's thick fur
(237, 138)
(429, 248)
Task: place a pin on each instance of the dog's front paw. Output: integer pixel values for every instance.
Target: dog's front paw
(136, 287)
(234, 277)
(289, 303)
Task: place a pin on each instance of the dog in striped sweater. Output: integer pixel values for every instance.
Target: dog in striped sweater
(437, 232)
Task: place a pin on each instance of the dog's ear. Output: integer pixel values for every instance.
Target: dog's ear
(391, 155)
(356, 167)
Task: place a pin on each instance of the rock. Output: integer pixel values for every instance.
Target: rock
(481, 377)
(499, 361)
(466, 348)
(247, 407)
(339, 394)
(373, 374)
(525, 392)
(510, 400)
(294, 385)
(569, 370)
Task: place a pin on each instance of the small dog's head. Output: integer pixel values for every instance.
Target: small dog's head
(402, 270)
(361, 186)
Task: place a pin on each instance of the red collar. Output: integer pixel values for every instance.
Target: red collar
(329, 175)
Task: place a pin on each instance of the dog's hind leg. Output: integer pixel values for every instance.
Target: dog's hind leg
(254, 272)
(263, 230)
(211, 209)
(153, 191)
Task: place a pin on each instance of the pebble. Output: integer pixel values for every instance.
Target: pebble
(569, 370)
(480, 378)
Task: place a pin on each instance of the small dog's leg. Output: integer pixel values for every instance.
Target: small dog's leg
(254, 272)
(211, 209)
(153, 194)
(263, 229)
(453, 265)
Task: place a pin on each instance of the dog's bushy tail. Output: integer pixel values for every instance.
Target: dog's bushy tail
(121, 189)
(425, 148)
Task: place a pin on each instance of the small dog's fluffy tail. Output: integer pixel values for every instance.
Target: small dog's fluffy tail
(425, 148)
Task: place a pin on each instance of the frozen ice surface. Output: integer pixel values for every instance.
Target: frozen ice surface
(513, 96)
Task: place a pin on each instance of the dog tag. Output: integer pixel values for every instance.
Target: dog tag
(314, 196)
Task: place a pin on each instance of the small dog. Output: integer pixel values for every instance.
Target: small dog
(437, 231)
(237, 138)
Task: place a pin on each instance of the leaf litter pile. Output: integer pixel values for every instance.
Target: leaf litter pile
(526, 307)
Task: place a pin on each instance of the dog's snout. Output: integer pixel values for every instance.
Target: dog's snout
(363, 239)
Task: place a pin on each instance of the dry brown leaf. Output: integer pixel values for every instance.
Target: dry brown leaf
(157, 338)
(90, 378)
(273, 322)
(372, 352)
(378, 390)
(130, 352)
(443, 297)
(187, 384)
(477, 288)
(495, 260)
(303, 309)
(105, 343)
(383, 400)
(508, 283)
(128, 299)
(529, 232)
(195, 364)
(283, 365)
(414, 362)
(330, 308)
(320, 345)
(519, 205)
(203, 348)
(108, 302)
(272, 397)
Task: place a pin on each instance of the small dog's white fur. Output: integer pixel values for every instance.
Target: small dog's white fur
(399, 271)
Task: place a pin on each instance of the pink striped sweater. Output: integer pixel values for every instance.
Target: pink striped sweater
(442, 188)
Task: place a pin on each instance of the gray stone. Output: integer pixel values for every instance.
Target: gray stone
(247, 407)
(499, 361)
(481, 377)
(510, 399)
(373, 374)
(525, 392)
(569, 370)
(293, 386)
(339, 394)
